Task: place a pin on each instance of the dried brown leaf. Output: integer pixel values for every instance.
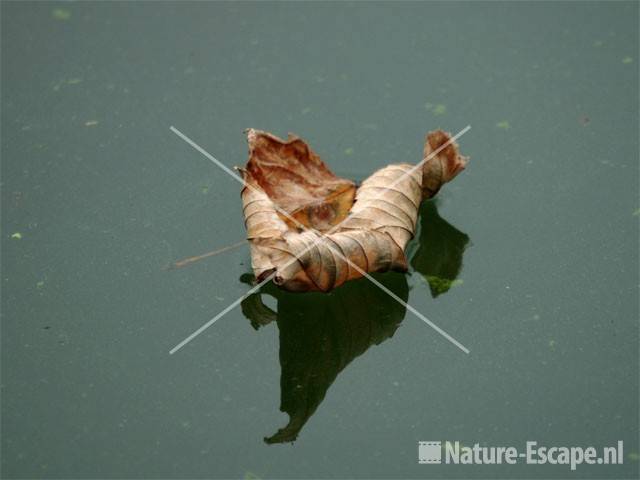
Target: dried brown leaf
(370, 226)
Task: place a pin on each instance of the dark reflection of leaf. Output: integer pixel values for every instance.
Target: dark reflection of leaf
(440, 251)
(321, 333)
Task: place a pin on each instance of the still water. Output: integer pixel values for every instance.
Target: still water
(529, 258)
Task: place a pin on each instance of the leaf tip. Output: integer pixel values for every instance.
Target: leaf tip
(443, 163)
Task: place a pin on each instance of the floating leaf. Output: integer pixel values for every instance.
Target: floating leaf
(370, 227)
(61, 14)
(439, 109)
(16, 235)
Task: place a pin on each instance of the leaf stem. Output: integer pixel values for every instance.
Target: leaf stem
(189, 260)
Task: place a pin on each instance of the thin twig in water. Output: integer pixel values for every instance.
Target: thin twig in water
(189, 260)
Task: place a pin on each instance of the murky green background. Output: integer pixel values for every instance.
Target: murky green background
(537, 240)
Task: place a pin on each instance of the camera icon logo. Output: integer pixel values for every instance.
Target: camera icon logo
(429, 452)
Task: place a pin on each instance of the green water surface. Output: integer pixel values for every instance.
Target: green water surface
(529, 258)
